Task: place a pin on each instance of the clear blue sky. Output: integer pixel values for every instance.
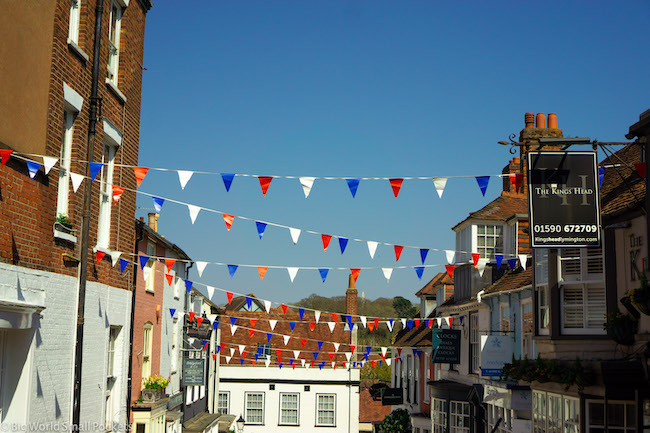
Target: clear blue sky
(361, 89)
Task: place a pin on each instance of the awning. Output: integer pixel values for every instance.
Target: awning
(449, 390)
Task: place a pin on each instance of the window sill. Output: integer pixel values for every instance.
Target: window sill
(288, 425)
(111, 85)
(65, 236)
(149, 290)
(77, 50)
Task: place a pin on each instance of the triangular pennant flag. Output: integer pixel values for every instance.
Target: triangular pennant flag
(303, 341)
(115, 255)
(409, 323)
(601, 176)
(192, 314)
(331, 326)
(480, 266)
(335, 317)
(372, 247)
(336, 346)
(523, 258)
(373, 363)
(423, 254)
(140, 173)
(194, 212)
(419, 270)
(387, 273)
(228, 358)
(515, 180)
(343, 242)
(229, 296)
(158, 203)
(295, 234)
(450, 270)
(320, 345)
(253, 322)
(403, 323)
(172, 311)
(33, 167)
(286, 339)
(315, 354)
(267, 363)
(262, 271)
(640, 169)
(352, 347)
(267, 306)
(296, 354)
(302, 362)
(268, 337)
(227, 180)
(242, 348)
(146, 273)
(301, 313)
(399, 351)
(475, 257)
(430, 323)
(228, 219)
(499, 259)
(143, 261)
(218, 348)
(232, 269)
(210, 291)
(284, 308)
(292, 325)
(390, 324)
(398, 251)
(355, 273)
(184, 177)
(512, 263)
(292, 274)
(353, 184)
(439, 320)
(326, 241)
(450, 320)
(100, 255)
(307, 183)
(348, 355)
(76, 180)
(260, 228)
(169, 263)
(188, 285)
(4, 155)
(450, 256)
(417, 322)
(123, 264)
(323, 273)
(94, 168)
(364, 321)
(317, 315)
(272, 323)
(233, 329)
(331, 355)
(249, 302)
(48, 163)
(371, 326)
(350, 323)
(200, 267)
(439, 183)
(396, 184)
(483, 183)
(241, 362)
(199, 320)
(376, 322)
(388, 362)
(251, 332)
(265, 182)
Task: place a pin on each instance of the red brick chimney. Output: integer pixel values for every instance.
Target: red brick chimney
(529, 136)
(153, 221)
(351, 298)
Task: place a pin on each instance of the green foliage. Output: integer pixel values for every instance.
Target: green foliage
(548, 370)
(379, 373)
(403, 307)
(398, 421)
(63, 219)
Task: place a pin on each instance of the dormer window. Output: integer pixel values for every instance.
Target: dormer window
(489, 240)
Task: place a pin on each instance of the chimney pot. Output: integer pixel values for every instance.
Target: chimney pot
(540, 121)
(529, 119)
(153, 221)
(552, 120)
(515, 160)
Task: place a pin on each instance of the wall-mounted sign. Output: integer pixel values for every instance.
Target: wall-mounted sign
(496, 350)
(392, 396)
(563, 199)
(193, 370)
(175, 400)
(446, 346)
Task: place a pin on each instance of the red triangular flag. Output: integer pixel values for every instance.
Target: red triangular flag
(640, 168)
(170, 264)
(229, 296)
(335, 317)
(294, 365)
(355, 273)
(398, 251)
(312, 363)
(430, 323)
(262, 271)
(475, 257)
(312, 325)
(352, 347)
(265, 181)
(371, 326)
(335, 364)
(326, 241)
(417, 322)
(396, 184)
(399, 351)
(515, 180)
(450, 270)
(192, 314)
(251, 332)
(100, 256)
(284, 308)
(170, 279)
(117, 193)
(451, 319)
(383, 355)
(243, 354)
(214, 356)
(140, 173)
(303, 341)
(278, 353)
(376, 323)
(228, 219)
(199, 320)
(253, 322)
(4, 155)
(373, 363)
(253, 362)
(331, 356)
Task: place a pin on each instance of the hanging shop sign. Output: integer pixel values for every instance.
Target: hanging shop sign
(193, 371)
(392, 396)
(496, 350)
(563, 199)
(446, 346)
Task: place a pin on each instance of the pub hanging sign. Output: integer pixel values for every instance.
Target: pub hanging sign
(563, 199)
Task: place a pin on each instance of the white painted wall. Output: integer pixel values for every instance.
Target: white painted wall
(173, 297)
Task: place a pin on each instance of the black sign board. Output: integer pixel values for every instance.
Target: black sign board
(446, 346)
(193, 371)
(563, 199)
(392, 396)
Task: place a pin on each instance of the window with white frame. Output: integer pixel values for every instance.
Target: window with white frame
(459, 417)
(500, 418)
(463, 244)
(254, 408)
(527, 326)
(439, 415)
(175, 346)
(115, 24)
(75, 19)
(541, 290)
(64, 164)
(289, 409)
(264, 349)
(489, 240)
(223, 402)
(618, 416)
(474, 344)
(151, 265)
(583, 309)
(106, 196)
(555, 413)
(581, 265)
(326, 410)
(505, 317)
(147, 341)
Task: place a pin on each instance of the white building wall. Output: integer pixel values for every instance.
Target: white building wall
(326, 381)
(173, 297)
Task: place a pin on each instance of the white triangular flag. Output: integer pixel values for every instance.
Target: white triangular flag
(336, 346)
(333, 364)
(348, 355)
(286, 339)
(295, 234)
(389, 361)
(390, 325)
(332, 325)
(292, 273)
(296, 354)
(146, 272)
(317, 315)
(210, 292)
(48, 163)
(302, 361)
(307, 183)
(200, 267)
(439, 183)
(306, 365)
(387, 273)
(233, 329)
(372, 247)
(184, 177)
(523, 258)
(450, 256)
(241, 347)
(272, 324)
(228, 358)
(115, 255)
(267, 362)
(364, 320)
(194, 212)
(439, 320)
(232, 351)
(403, 323)
(267, 306)
(449, 321)
(480, 266)
(383, 351)
(76, 180)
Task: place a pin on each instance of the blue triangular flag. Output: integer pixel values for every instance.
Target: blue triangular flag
(291, 362)
(215, 324)
(241, 361)
(143, 261)
(94, 169)
(172, 311)
(259, 350)
(260, 228)
(350, 323)
(232, 269)
(380, 361)
(268, 337)
(601, 176)
(280, 366)
(365, 356)
(249, 302)
(33, 167)
(418, 353)
(512, 263)
(419, 270)
(368, 349)
(233, 320)
(391, 321)
(292, 325)
(423, 254)
(188, 285)
(218, 346)
(409, 323)
(320, 345)
(123, 264)
(315, 354)
(499, 258)
(321, 365)
(354, 364)
(353, 184)
(158, 203)
(461, 319)
(483, 183)
(227, 180)
(323, 273)
(301, 312)
(257, 356)
(343, 242)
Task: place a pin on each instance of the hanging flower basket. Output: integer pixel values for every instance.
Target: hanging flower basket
(641, 297)
(621, 327)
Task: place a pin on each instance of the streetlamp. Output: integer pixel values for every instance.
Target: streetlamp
(240, 424)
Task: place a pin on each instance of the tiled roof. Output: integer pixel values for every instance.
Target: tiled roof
(622, 186)
(429, 288)
(512, 280)
(499, 209)
(369, 409)
(416, 336)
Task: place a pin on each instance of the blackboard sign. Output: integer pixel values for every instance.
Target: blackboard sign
(392, 396)
(446, 346)
(193, 371)
(563, 199)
